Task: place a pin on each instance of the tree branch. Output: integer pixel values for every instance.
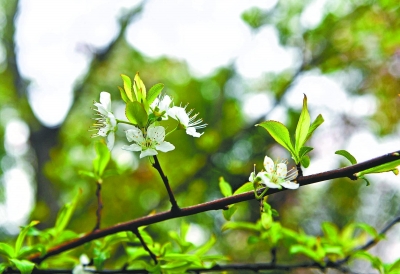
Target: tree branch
(157, 166)
(213, 205)
(152, 255)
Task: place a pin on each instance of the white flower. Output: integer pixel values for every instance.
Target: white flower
(160, 106)
(83, 266)
(148, 145)
(185, 121)
(106, 124)
(276, 176)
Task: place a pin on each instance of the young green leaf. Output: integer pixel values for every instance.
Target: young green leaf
(347, 155)
(21, 236)
(206, 247)
(305, 161)
(241, 225)
(154, 92)
(7, 250)
(65, 214)
(303, 126)
(280, 134)
(228, 213)
(88, 174)
(391, 166)
(128, 87)
(304, 151)
(317, 122)
(103, 156)
(371, 231)
(24, 266)
(123, 95)
(135, 113)
(3, 266)
(244, 188)
(139, 88)
(184, 229)
(225, 187)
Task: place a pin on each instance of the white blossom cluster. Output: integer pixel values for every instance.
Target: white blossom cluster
(150, 139)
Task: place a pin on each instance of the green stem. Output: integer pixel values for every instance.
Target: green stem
(172, 130)
(125, 122)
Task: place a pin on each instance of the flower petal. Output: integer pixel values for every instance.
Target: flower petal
(265, 180)
(165, 147)
(110, 140)
(290, 185)
(135, 135)
(192, 131)
(269, 165)
(105, 100)
(179, 113)
(133, 147)
(252, 177)
(281, 170)
(156, 134)
(165, 103)
(148, 152)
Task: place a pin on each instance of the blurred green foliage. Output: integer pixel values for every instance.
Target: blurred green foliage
(359, 38)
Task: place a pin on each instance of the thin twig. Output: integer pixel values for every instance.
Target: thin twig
(213, 205)
(157, 166)
(152, 255)
(99, 206)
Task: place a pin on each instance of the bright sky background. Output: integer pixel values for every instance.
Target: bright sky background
(52, 37)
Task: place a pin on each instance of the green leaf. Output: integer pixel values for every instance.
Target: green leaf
(394, 266)
(225, 187)
(103, 156)
(139, 88)
(253, 239)
(305, 161)
(266, 220)
(21, 237)
(317, 122)
(184, 229)
(183, 244)
(370, 230)
(228, 213)
(3, 266)
(136, 252)
(281, 135)
(347, 155)
(88, 174)
(331, 231)
(295, 249)
(136, 114)
(240, 225)
(128, 87)
(7, 250)
(206, 247)
(253, 17)
(100, 257)
(304, 151)
(391, 166)
(154, 92)
(375, 261)
(244, 188)
(65, 214)
(303, 125)
(365, 179)
(26, 267)
(123, 95)
(25, 251)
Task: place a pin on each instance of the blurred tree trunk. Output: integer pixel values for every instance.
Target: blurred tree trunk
(42, 139)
